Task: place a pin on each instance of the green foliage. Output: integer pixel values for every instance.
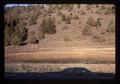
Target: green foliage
(11, 20)
(33, 19)
(7, 32)
(87, 30)
(110, 11)
(111, 26)
(48, 26)
(16, 38)
(21, 28)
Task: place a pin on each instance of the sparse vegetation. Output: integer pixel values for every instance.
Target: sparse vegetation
(33, 19)
(98, 12)
(110, 11)
(41, 33)
(76, 17)
(16, 38)
(7, 32)
(79, 35)
(88, 7)
(99, 38)
(98, 23)
(46, 20)
(65, 27)
(97, 6)
(50, 10)
(63, 17)
(113, 10)
(33, 40)
(87, 30)
(82, 12)
(66, 39)
(91, 21)
(59, 12)
(68, 20)
(48, 26)
(103, 7)
(111, 26)
(78, 6)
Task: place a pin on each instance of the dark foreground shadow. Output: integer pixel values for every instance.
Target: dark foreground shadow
(69, 73)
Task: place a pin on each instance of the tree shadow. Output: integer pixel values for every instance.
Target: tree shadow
(69, 73)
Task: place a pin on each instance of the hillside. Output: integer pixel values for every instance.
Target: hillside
(90, 25)
(72, 41)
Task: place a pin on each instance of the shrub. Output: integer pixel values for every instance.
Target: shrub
(50, 10)
(113, 9)
(11, 21)
(108, 11)
(40, 34)
(98, 23)
(88, 7)
(91, 21)
(97, 6)
(102, 7)
(66, 39)
(76, 17)
(21, 28)
(68, 20)
(16, 38)
(63, 18)
(82, 12)
(102, 32)
(59, 7)
(59, 13)
(111, 26)
(99, 38)
(53, 19)
(65, 27)
(33, 19)
(70, 8)
(33, 40)
(48, 26)
(87, 30)
(7, 32)
(78, 6)
(98, 12)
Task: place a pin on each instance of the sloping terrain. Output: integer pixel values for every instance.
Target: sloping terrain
(55, 38)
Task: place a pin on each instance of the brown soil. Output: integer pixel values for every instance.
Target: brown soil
(85, 51)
